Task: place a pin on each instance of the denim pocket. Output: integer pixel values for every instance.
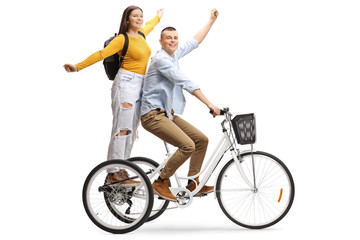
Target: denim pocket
(125, 78)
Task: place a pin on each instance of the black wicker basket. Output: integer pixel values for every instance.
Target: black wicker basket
(244, 128)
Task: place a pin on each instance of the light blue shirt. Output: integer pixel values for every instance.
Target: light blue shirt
(164, 82)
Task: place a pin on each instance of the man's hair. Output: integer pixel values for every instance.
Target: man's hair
(167, 29)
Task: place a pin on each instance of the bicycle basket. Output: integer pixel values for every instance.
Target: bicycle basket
(244, 128)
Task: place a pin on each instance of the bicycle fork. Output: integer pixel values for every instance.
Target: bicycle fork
(241, 170)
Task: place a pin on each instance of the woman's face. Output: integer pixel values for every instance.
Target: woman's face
(136, 19)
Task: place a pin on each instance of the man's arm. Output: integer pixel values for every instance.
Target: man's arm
(199, 37)
(198, 93)
(171, 72)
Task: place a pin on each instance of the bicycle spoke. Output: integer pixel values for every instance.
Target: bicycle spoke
(259, 207)
(109, 205)
(149, 166)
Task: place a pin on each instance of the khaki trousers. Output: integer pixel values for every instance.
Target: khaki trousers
(179, 133)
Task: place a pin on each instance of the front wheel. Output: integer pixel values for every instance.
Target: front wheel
(265, 204)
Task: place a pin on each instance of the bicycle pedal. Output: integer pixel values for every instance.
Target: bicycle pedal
(201, 195)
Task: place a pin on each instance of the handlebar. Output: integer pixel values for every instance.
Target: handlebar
(222, 111)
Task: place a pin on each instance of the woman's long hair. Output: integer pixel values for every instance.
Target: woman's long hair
(125, 18)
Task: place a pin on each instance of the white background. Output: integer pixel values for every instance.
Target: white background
(293, 63)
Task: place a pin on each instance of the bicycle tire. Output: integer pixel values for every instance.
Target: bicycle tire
(265, 195)
(95, 179)
(164, 203)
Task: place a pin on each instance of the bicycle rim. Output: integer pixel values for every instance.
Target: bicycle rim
(260, 207)
(109, 209)
(149, 166)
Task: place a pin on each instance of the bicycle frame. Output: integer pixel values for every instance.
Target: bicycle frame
(226, 142)
(126, 207)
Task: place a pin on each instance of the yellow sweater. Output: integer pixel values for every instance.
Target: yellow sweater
(137, 55)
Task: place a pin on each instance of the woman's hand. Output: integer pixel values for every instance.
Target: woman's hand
(214, 14)
(160, 12)
(70, 67)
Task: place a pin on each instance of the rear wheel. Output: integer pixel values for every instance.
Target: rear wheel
(149, 166)
(114, 208)
(262, 206)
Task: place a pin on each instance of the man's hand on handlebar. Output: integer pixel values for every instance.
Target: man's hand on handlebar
(214, 110)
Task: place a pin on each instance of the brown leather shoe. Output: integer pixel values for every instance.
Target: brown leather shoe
(205, 190)
(119, 177)
(161, 188)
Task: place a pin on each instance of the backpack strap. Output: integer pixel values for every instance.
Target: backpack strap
(126, 45)
(142, 34)
(125, 48)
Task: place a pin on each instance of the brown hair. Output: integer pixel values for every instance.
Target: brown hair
(167, 29)
(125, 18)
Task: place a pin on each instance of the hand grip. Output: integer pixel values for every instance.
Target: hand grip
(221, 112)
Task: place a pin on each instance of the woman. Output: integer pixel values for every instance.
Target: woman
(126, 89)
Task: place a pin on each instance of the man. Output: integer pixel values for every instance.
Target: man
(163, 97)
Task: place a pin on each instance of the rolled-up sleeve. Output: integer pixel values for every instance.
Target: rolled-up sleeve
(171, 72)
(187, 48)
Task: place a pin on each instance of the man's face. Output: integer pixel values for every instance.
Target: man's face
(169, 41)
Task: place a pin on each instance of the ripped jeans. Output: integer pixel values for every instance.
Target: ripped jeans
(125, 102)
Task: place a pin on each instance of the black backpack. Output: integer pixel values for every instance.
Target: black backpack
(113, 63)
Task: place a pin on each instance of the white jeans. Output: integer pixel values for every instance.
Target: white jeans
(127, 88)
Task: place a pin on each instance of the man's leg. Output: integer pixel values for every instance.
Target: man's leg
(197, 157)
(158, 124)
(201, 143)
